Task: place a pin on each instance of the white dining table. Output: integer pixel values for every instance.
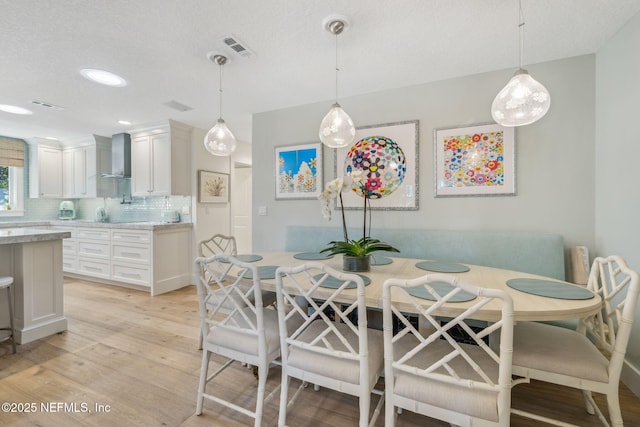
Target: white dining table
(527, 307)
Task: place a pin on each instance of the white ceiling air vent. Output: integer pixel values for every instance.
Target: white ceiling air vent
(47, 105)
(177, 106)
(237, 46)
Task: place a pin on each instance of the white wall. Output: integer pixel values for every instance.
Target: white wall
(617, 208)
(212, 218)
(554, 157)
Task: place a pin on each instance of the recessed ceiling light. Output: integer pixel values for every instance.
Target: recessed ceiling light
(14, 109)
(103, 77)
(124, 122)
(51, 138)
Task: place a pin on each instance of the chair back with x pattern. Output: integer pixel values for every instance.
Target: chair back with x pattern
(235, 325)
(230, 301)
(429, 369)
(591, 357)
(218, 244)
(332, 347)
(610, 277)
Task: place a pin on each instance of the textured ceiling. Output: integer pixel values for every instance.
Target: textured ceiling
(160, 47)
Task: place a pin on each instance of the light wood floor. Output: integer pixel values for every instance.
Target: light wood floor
(137, 354)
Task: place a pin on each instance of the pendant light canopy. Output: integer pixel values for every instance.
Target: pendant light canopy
(220, 141)
(336, 129)
(523, 100)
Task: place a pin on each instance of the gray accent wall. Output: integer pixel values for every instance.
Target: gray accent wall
(617, 148)
(554, 157)
(576, 169)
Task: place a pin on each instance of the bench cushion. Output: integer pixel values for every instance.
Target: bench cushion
(535, 253)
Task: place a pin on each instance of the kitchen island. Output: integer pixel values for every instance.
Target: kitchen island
(33, 257)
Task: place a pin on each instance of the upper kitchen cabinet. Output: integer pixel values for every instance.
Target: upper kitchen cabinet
(160, 160)
(45, 171)
(83, 164)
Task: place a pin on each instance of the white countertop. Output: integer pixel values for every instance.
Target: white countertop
(147, 225)
(26, 235)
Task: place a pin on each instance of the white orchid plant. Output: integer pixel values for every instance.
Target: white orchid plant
(353, 181)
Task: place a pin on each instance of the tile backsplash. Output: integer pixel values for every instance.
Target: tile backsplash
(134, 209)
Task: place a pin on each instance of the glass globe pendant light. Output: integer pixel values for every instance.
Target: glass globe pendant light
(523, 100)
(336, 129)
(220, 141)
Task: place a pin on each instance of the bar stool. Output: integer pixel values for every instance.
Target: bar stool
(6, 283)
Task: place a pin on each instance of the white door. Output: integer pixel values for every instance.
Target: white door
(241, 208)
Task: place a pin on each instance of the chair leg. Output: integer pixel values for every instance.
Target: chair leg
(389, 412)
(263, 372)
(284, 389)
(13, 331)
(364, 403)
(203, 380)
(587, 402)
(615, 415)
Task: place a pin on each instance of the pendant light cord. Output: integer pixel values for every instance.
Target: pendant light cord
(220, 90)
(337, 69)
(521, 31)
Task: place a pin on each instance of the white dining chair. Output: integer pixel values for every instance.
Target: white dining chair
(591, 357)
(235, 325)
(221, 244)
(333, 347)
(428, 371)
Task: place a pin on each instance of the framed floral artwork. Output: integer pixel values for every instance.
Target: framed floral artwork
(387, 155)
(477, 160)
(298, 171)
(213, 187)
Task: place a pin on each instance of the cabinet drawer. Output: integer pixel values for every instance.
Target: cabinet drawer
(131, 273)
(93, 249)
(93, 233)
(96, 268)
(132, 236)
(69, 264)
(128, 252)
(69, 246)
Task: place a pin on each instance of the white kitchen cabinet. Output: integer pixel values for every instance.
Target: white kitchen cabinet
(45, 171)
(93, 246)
(151, 165)
(160, 161)
(74, 172)
(83, 167)
(131, 256)
(155, 260)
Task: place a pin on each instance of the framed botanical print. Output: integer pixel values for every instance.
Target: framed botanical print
(213, 187)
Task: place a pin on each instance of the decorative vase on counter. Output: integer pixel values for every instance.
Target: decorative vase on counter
(355, 263)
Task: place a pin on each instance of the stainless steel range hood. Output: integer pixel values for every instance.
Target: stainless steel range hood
(120, 156)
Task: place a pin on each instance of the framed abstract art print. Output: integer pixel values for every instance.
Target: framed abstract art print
(298, 171)
(388, 156)
(477, 160)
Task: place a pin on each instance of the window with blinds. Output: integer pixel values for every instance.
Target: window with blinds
(11, 152)
(11, 176)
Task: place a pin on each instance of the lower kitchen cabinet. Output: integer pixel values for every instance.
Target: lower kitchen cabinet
(156, 260)
(131, 256)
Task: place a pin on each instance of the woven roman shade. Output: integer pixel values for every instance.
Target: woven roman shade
(11, 152)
